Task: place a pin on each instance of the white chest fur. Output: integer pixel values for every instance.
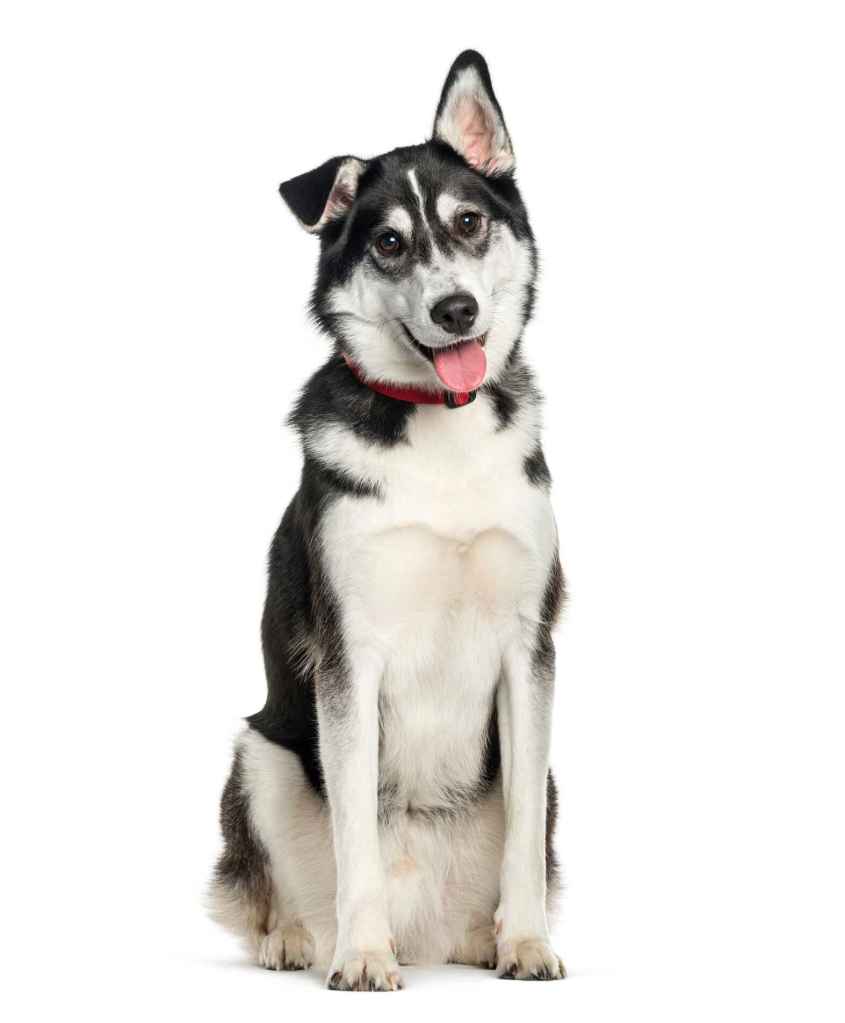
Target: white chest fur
(436, 578)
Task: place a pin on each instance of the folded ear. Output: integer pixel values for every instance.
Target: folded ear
(470, 119)
(325, 193)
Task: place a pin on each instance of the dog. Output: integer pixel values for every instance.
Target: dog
(392, 802)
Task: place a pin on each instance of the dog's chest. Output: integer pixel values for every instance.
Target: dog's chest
(436, 578)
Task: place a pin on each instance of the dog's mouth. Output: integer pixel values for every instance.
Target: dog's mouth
(461, 366)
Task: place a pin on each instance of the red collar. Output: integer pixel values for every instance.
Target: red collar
(413, 395)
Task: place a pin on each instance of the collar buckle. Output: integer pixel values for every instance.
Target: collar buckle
(458, 399)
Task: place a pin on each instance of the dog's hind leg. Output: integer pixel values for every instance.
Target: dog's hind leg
(240, 896)
(260, 888)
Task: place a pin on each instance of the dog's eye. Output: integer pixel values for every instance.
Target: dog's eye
(389, 243)
(468, 223)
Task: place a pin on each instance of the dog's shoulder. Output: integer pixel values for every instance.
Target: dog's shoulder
(332, 397)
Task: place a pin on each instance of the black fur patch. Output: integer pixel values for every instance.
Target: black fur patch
(243, 866)
(514, 388)
(300, 614)
(552, 866)
(334, 395)
(504, 403)
(555, 595)
(536, 468)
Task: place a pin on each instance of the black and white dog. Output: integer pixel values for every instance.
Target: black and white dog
(392, 802)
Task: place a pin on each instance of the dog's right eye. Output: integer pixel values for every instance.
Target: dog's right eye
(389, 243)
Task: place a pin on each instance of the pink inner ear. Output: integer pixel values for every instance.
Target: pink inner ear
(339, 200)
(475, 131)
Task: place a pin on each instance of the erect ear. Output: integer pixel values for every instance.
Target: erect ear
(470, 119)
(325, 193)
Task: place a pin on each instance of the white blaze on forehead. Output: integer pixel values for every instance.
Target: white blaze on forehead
(415, 188)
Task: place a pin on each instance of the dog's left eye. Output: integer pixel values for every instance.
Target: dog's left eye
(468, 223)
(389, 243)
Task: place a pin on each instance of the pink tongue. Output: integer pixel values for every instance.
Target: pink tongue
(461, 367)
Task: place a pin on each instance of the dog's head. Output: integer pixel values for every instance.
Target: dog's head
(427, 261)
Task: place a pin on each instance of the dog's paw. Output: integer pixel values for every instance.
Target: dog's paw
(528, 959)
(478, 948)
(286, 948)
(365, 970)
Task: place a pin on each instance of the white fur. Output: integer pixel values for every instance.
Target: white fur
(415, 188)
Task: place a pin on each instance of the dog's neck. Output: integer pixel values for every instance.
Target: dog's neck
(412, 395)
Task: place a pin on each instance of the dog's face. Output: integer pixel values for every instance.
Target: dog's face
(427, 261)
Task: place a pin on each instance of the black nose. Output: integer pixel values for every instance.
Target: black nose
(455, 313)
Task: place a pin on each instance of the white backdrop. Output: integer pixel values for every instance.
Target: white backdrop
(683, 164)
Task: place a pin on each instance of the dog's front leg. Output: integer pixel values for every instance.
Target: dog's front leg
(524, 704)
(347, 708)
